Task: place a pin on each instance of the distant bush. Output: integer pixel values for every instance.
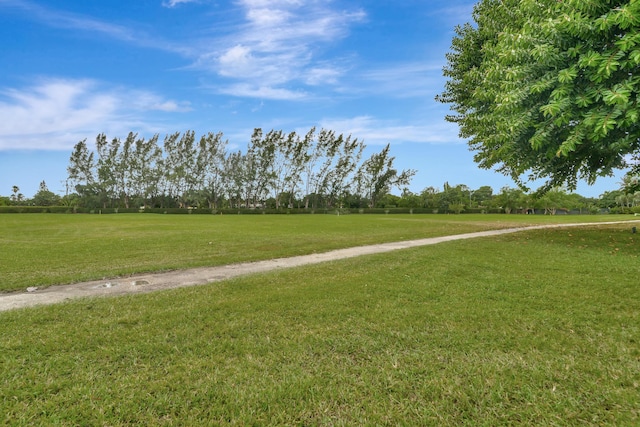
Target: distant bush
(60, 209)
(484, 210)
(172, 211)
(625, 210)
(384, 210)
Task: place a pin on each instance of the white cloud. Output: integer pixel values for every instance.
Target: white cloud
(277, 44)
(146, 101)
(237, 61)
(55, 114)
(380, 132)
(265, 18)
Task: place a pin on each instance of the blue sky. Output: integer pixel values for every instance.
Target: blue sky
(71, 69)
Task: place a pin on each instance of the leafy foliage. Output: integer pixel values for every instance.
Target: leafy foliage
(184, 172)
(548, 88)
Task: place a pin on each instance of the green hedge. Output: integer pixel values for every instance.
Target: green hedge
(484, 210)
(243, 211)
(24, 209)
(206, 211)
(625, 210)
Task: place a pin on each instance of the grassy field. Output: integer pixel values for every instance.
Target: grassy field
(534, 328)
(47, 249)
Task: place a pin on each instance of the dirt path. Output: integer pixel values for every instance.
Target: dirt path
(199, 276)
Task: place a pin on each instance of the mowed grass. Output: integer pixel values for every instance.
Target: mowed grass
(48, 249)
(535, 328)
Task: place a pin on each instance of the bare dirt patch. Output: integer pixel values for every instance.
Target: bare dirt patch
(199, 276)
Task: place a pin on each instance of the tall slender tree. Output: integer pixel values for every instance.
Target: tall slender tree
(81, 166)
(211, 161)
(107, 170)
(146, 167)
(377, 176)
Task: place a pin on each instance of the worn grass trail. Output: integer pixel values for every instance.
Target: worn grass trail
(48, 249)
(143, 283)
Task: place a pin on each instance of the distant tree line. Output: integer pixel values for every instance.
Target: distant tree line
(316, 170)
(461, 198)
(448, 199)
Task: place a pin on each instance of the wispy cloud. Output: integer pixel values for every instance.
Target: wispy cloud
(261, 48)
(322, 74)
(279, 43)
(174, 3)
(55, 114)
(408, 80)
(379, 132)
(56, 18)
(61, 19)
(263, 92)
(455, 13)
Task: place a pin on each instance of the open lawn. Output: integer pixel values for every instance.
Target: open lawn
(534, 328)
(47, 249)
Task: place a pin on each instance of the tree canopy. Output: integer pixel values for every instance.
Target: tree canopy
(548, 88)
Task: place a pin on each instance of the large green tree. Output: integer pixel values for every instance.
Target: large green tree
(548, 88)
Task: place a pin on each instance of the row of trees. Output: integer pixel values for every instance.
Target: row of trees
(448, 199)
(319, 169)
(461, 198)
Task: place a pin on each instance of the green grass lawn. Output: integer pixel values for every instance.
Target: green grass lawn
(535, 328)
(48, 249)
